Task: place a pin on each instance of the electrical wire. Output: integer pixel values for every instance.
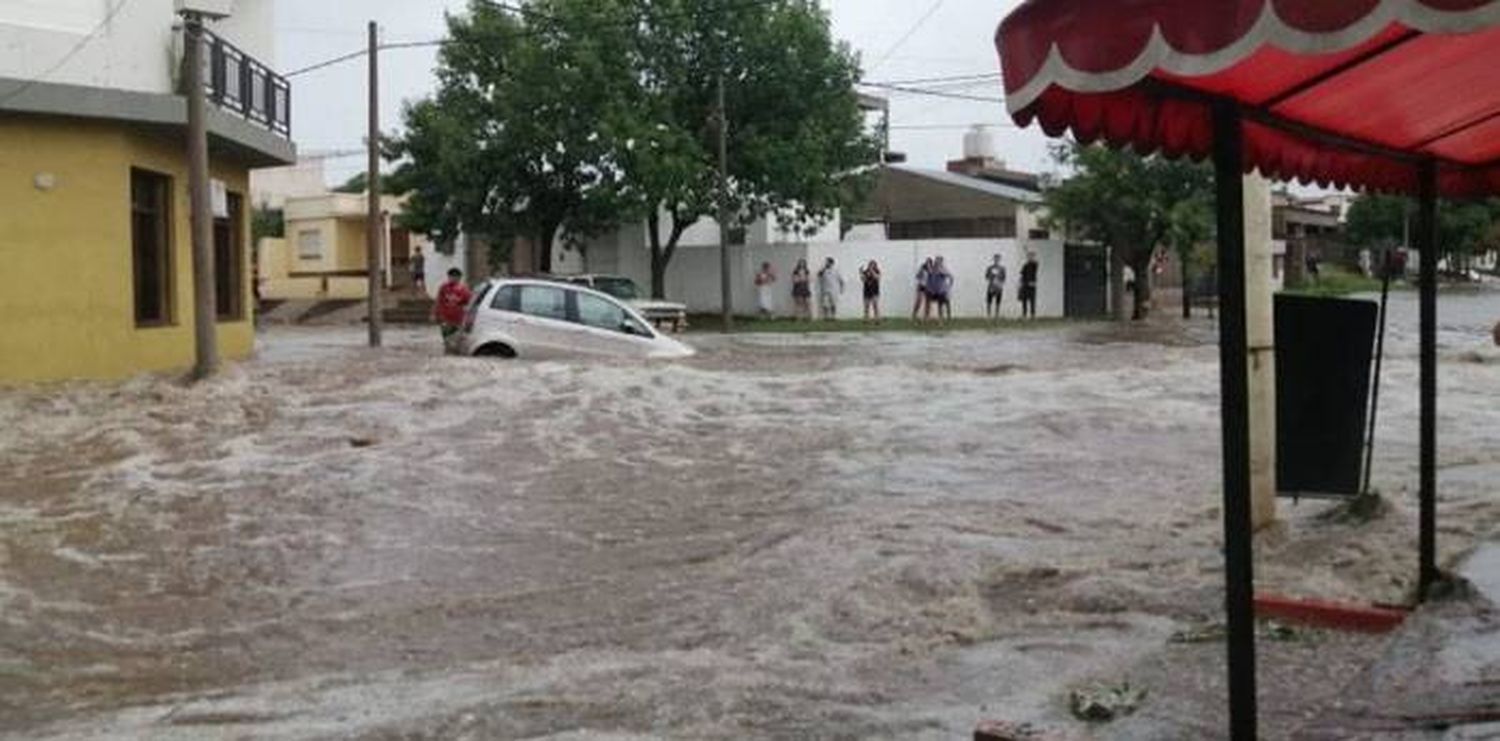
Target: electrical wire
(68, 57)
(729, 7)
(932, 11)
(932, 93)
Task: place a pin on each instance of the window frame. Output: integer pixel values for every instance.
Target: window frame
(528, 288)
(162, 214)
(234, 225)
(302, 254)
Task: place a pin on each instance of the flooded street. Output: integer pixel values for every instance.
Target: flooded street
(832, 536)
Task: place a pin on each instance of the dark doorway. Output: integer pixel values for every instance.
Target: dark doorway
(229, 261)
(1085, 282)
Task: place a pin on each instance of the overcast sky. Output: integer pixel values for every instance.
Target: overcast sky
(898, 39)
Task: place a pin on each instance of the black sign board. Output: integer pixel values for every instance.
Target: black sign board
(1324, 348)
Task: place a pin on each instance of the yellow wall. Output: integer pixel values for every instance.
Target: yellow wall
(343, 251)
(66, 288)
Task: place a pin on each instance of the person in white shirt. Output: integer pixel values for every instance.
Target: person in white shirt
(994, 277)
(830, 287)
(764, 281)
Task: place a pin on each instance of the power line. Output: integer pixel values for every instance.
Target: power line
(978, 77)
(68, 57)
(932, 93)
(953, 127)
(726, 8)
(932, 11)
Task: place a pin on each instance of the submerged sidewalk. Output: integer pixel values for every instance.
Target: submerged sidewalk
(1440, 678)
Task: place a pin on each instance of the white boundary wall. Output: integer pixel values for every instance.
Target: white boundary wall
(693, 276)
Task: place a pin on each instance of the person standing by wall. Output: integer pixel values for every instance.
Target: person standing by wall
(802, 290)
(939, 288)
(920, 305)
(830, 287)
(1028, 286)
(994, 277)
(765, 280)
(452, 302)
(870, 276)
(418, 271)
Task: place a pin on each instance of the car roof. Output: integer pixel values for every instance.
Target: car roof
(497, 283)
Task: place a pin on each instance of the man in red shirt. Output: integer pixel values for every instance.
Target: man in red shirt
(452, 303)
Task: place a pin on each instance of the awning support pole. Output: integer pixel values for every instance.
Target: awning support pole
(1426, 239)
(1234, 370)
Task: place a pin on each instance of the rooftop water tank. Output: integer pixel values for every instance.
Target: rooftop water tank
(979, 144)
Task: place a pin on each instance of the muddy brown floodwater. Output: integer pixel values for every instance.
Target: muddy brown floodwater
(882, 536)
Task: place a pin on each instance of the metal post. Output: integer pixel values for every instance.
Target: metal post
(205, 302)
(1239, 579)
(1427, 245)
(373, 226)
(722, 124)
(1385, 303)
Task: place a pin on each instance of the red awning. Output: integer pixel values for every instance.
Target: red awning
(1334, 92)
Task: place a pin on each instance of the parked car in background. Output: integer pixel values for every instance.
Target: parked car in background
(534, 318)
(666, 314)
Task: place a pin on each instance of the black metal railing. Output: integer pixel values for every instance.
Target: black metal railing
(240, 84)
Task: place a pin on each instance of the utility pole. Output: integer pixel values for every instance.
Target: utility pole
(722, 119)
(374, 225)
(205, 302)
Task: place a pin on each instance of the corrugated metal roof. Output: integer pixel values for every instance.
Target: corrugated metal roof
(1000, 190)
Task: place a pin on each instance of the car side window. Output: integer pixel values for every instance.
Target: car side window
(544, 302)
(599, 313)
(508, 298)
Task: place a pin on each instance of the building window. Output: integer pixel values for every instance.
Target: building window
(229, 260)
(310, 244)
(151, 247)
(1003, 227)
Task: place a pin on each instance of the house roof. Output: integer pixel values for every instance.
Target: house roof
(979, 185)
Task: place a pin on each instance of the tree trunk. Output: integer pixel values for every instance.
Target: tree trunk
(1187, 285)
(1142, 296)
(1117, 284)
(543, 246)
(658, 265)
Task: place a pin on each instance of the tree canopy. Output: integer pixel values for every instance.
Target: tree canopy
(1464, 227)
(1133, 205)
(575, 116)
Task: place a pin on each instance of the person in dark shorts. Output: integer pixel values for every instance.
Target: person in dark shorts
(418, 271)
(802, 290)
(939, 286)
(920, 304)
(1028, 286)
(452, 304)
(994, 278)
(870, 276)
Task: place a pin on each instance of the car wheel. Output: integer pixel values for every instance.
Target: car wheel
(495, 350)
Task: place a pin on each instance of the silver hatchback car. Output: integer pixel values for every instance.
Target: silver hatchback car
(530, 318)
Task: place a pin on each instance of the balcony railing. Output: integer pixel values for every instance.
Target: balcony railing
(239, 84)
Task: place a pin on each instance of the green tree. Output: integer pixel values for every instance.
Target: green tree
(1133, 205)
(578, 115)
(520, 139)
(797, 141)
(1465, 228)
(267, 223)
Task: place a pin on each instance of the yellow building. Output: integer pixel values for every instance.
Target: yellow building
(323, 253)
(95, 246)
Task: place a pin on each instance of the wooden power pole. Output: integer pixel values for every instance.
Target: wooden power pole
(205, 302)
(374, 224)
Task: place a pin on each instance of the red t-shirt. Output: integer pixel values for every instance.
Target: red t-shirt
(452, 300)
